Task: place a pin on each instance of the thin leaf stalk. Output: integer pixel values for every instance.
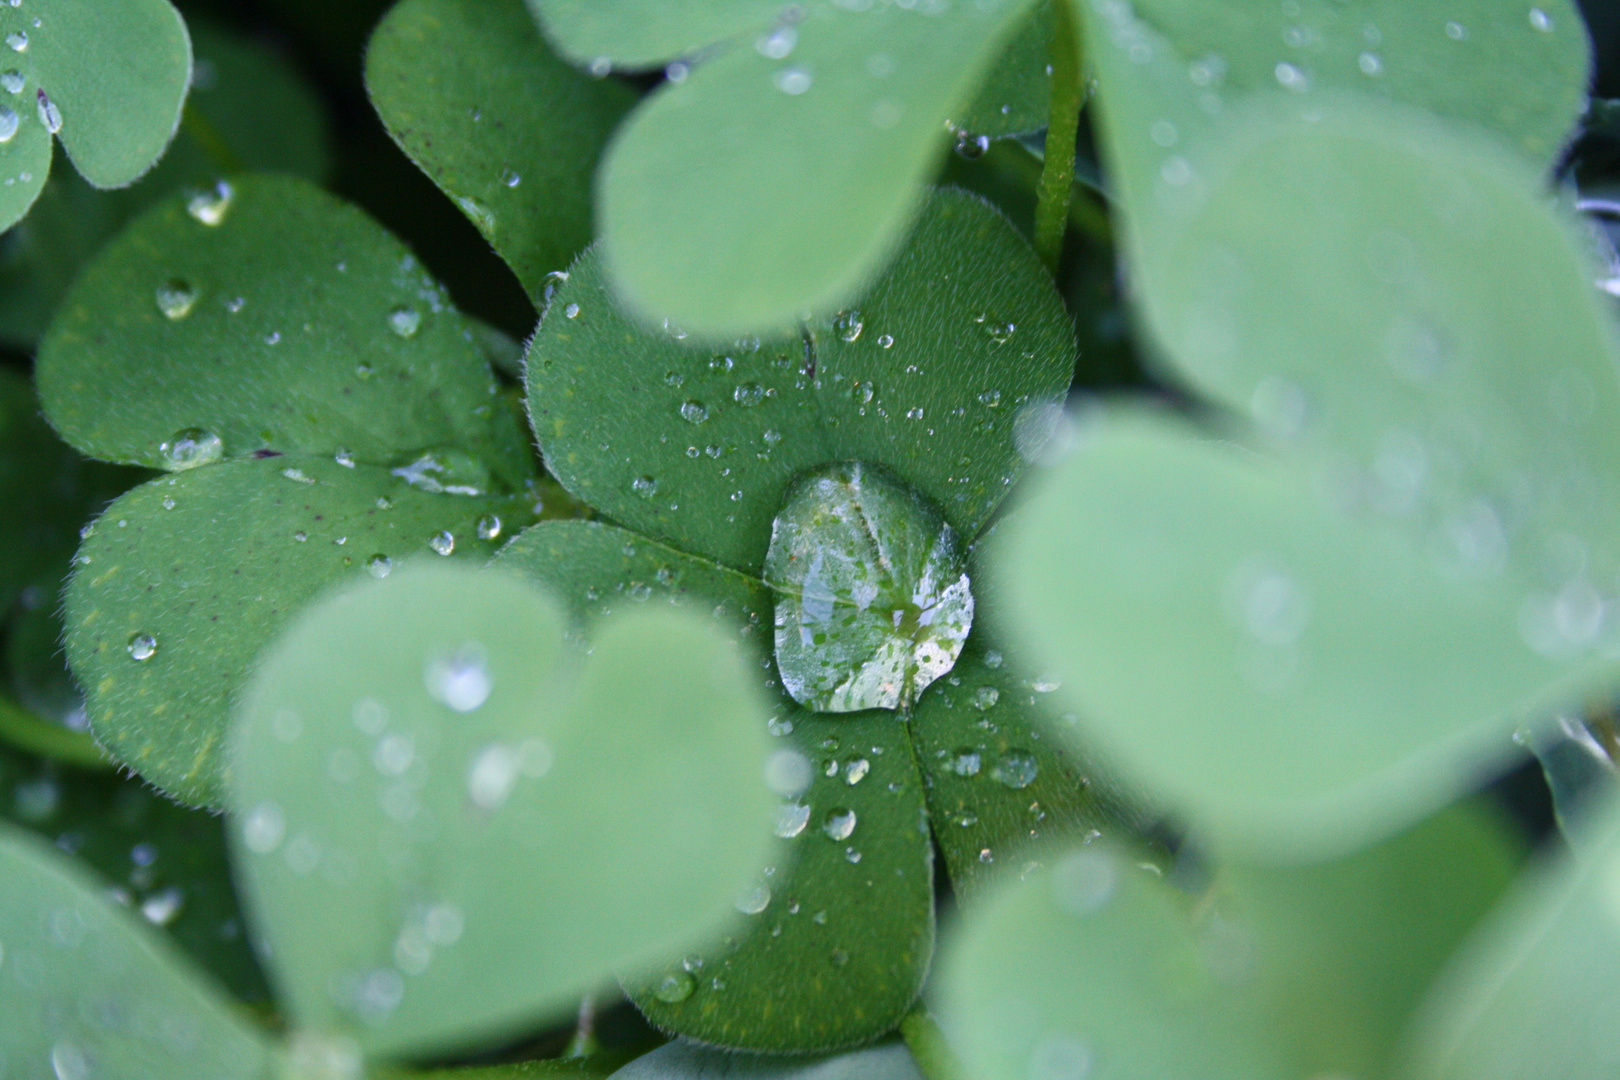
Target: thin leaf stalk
(1056, 185)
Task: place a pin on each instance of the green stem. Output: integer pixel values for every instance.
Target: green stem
(934, 1057)
(1057, 172)
(584, 1043)
(24, 730)
(214, 144)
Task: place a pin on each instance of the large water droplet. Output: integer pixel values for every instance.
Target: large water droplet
(645, 486)
(191, 447)
(753, 900)
(18, 40)
(1540, 20)
(793, 81)
(379, 566)
(489, 527)
(9, 123)
(748, 394)
(791, 818)
(839, 824)
(13, 81)
(1016, 769)
(175, 298)
(443, 542)
(873, 602)
(142, 646)
(848, 325)
(694, 412)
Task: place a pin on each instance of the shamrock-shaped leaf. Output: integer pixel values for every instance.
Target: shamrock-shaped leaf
(86, 991)
(326, 412)
(1097, 967)
(1530, 994)
(423, 829)
(682, 1060)
(961, 351)
(1298, 678)
(107, 77)
(504, 126)
(783, 170)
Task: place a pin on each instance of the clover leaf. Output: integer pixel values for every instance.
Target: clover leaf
(521, 172)
(85, 988)
(682, 1060)
(728, 200)
(425, 837)
(1218, 984)
(326, 412)
(108, 79)
(945, 375)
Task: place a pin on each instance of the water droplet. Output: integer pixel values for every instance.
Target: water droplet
(771, 437)
(748, 394)
(511, 179)
(461, 679)
(839, 957)
(996, 330)
(142, 646)
(443, 542)
(675, 988)
(601, 67)
(163, 907)
(489, 527)
(1370, 63)
(853, 631)
(297, 476)
(1016, 769)
(211, 207)
(885, 341)
(379, 566)
(493, 774)
(791, 818)
(300, 536)
(364, 371)
(787, 772)
(848, 325)
(645, 486)
(985, 698)
(405, 321)
(68, 1062)
(721, 363)
(970, 145)
(754, 900)
(263, 828)
(1456, 31)
(13, 81)
(482, 216)
(777, 44)
(839, 824)
(1540, 20)
(856, 771)
(966, 762)
(862, 392)
(176, 298)
(694, 412)
(571, 311)
(793, 81)
(18, 40)
(9, 123)
(50, 116)
(1292, 78)
(990, 399)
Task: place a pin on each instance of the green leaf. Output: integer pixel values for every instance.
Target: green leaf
(108, 78)
(185, 579)
(690, 1061)
(1330, 283)
(1298, 679)
(166, 862)
(595, 1067)
(639, 34)
(1002, 787)
(504, 126)
(420, 813)
(782, 178)
(1170, 70)
(286, 321)
(1016, 98)
(848, 908)
(1530, 995)
(85, 991)
(928, 375)
(1097, 967)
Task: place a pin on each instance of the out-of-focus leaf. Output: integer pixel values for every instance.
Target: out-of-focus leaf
(683, 1060)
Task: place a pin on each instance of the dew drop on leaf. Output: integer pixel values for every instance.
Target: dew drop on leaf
(9, 123)
(748, 394)
(175, 298)
(191, 447)
(13, 81)
(405, 321)
(791, 818)
(210, 207)
(753, 900)
(443, 542)
(18, 40)
(694, 412)
(970, 145)
(966, 762)
(379, 566)
(142, 646)
(489, 527)
(839, 824)
(848, 325)
(460, 679)
(675, 988)
(872, 595)
(645, 486)
(1015, 769)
